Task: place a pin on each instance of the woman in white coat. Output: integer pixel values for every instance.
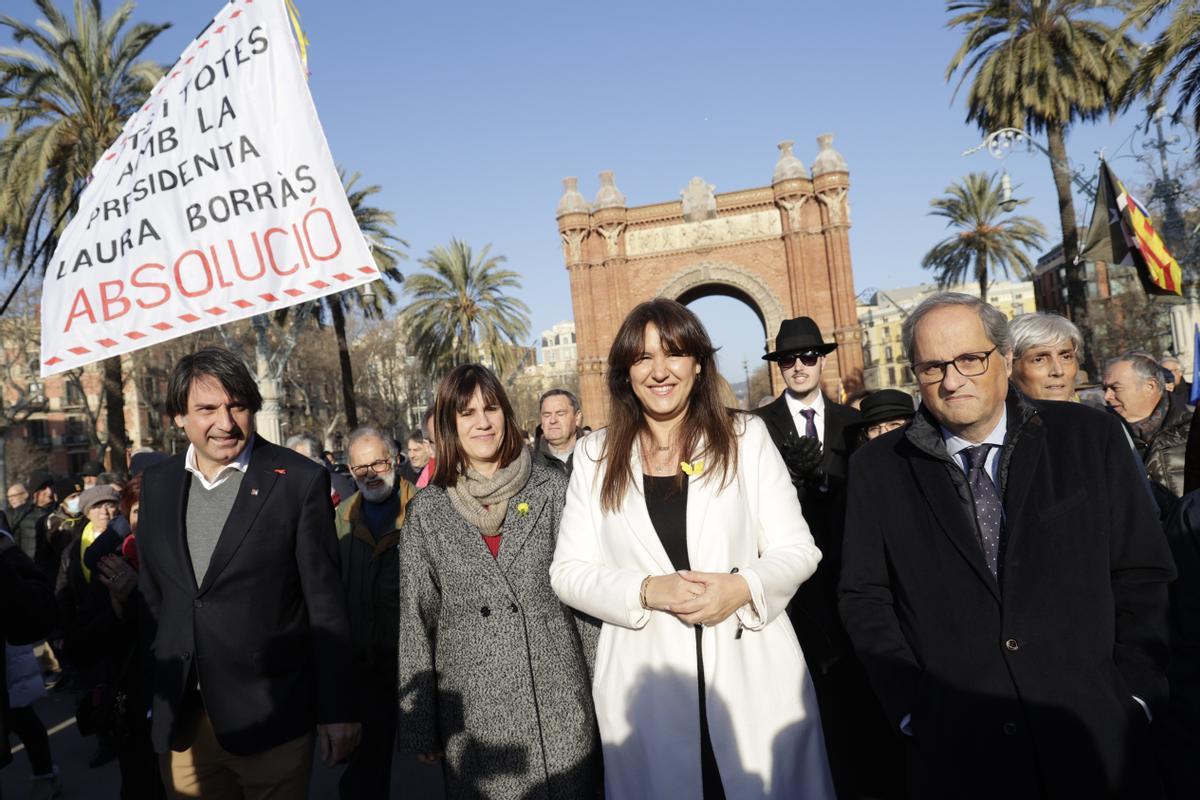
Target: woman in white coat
(683, 535)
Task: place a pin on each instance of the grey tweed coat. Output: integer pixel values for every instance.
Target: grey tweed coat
(492, 670)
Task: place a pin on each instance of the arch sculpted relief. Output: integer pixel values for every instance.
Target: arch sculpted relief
(708, 273)
(706, 233)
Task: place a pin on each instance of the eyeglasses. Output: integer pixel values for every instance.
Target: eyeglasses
(808, 358)
(378, 467)
(969, 365)
(880, 428)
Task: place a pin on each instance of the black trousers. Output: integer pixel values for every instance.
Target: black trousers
(368, 774)
(28, 727)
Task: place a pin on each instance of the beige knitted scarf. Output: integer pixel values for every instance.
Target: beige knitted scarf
(482, 500)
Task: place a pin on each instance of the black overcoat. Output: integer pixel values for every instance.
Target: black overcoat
(1023, 687)
(266, 631)
(814, 611)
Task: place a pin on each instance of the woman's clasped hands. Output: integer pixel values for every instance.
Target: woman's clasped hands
(698, 598)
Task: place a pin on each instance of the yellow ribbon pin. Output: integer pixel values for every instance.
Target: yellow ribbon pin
(693, 469)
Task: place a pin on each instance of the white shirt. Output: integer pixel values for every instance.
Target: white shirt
(240, 464)
(955, 445)
(795, 406)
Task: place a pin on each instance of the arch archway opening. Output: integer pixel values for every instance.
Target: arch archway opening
(737, 327)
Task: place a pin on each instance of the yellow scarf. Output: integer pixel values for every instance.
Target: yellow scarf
(86, 538)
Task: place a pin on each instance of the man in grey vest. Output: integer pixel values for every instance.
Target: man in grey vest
(251, 641)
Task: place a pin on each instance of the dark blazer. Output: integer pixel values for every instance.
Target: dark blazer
(1022, 687)
(266, 633)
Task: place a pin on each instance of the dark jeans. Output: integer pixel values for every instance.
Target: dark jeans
(368, 774)
(24, 722)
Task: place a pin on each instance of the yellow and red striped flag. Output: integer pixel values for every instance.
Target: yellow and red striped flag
(1122, 233)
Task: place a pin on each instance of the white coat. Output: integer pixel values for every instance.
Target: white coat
(762, 711)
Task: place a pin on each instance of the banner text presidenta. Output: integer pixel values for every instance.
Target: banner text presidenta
(219, 201)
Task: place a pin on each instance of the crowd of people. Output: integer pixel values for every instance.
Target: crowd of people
(990, 593)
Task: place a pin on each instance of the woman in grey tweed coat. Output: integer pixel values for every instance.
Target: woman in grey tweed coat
(492, 673)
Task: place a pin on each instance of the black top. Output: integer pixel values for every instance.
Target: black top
(668, 511)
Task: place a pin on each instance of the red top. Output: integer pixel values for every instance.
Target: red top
(493, 544)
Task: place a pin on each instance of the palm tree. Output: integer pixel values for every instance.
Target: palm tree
(988, 240)
(460, 312)
(372, 298)
(1171, 58)
(63, 100)
(1042, 65)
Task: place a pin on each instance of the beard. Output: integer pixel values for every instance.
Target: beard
(380, 492)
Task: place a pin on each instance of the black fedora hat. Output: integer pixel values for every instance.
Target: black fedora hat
(885, 404)
(796, 336)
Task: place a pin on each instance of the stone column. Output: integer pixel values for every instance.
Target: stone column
(831, 184)
(576, 230)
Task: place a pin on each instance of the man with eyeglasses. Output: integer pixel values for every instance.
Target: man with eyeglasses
(1004, 579)
(368, 529)
(814, 437)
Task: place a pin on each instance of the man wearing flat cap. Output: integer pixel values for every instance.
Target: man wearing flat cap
(815, 435)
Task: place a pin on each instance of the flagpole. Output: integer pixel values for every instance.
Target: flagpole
(37, 253)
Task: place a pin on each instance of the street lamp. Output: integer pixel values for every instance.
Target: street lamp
(1000, 143)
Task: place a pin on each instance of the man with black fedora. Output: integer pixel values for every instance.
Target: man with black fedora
(815, 436)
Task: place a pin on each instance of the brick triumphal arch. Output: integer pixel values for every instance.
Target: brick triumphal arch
(782, 249)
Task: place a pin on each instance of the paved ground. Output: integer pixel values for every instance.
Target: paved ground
(72, 752)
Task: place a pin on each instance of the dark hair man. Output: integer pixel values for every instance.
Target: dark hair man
(414, 458)
(814, 436)
(309, 446)
(1004, 578)
(368, 529)
(240, 574)
(1135, 389)
(561, 415)
(427, 427)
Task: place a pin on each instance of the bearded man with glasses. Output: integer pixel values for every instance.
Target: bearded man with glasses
(814, 435)
(368, 529)
(1004, 579)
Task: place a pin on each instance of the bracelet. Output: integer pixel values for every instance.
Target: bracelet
(642, 592)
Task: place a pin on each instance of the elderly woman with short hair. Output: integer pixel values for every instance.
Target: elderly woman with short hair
(1046, 349)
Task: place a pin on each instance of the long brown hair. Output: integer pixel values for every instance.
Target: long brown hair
(453, 395)
(706, 418)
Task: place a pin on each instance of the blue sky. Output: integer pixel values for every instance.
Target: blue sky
(469, 114)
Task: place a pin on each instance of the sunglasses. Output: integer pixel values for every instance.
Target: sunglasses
(808, 358)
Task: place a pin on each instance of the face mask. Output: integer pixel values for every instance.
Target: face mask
(72, 505)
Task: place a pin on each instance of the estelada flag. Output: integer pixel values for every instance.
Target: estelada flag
(1121, 233)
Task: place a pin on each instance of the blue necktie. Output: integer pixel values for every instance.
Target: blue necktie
(989, 510)
(810, 427)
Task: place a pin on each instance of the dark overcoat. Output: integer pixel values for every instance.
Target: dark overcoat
(265, 632)
(864, 756)
(1022, 687)
(491, 666)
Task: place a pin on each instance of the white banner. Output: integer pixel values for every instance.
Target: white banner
(219, 201)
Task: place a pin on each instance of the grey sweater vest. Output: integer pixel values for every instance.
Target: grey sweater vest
(207, 510)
